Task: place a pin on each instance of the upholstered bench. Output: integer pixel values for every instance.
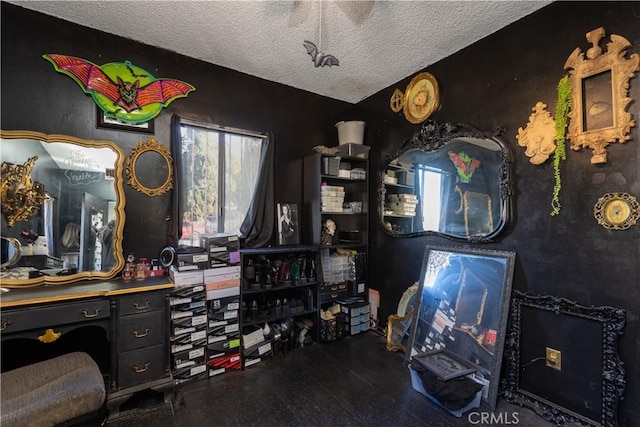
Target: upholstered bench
(51, 392)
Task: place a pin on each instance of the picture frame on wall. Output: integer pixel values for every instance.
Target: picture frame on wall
(287, 224)
(103, 122)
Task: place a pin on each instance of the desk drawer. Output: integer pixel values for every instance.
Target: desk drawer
(141, 366)
(142, 330)
(53, 315)
(141, 303)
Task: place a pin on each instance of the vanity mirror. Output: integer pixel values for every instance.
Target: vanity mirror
(449, 180)
(76, 233)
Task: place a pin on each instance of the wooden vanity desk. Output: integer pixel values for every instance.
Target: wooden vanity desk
(122, 325)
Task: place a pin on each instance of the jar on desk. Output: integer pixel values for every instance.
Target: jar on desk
(142, 269)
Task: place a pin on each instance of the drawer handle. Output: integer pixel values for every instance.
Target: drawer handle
(4, 325)
(141, 307)
(141, 335)
(141, 370)
(87, 315)
(334, 288)
(334, 295)
(49, 336)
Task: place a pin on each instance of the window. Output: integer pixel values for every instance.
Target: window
(431, 185)
(219, 170)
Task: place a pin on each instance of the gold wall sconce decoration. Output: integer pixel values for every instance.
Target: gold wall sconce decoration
(21, 195)
(600, 85)
(419, 100)
(539, 135)
(617, 211)
(149, 168)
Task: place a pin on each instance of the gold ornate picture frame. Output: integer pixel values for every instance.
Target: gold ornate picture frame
(142, 160)
(600, 85)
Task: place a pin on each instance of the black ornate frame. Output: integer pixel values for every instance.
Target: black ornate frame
(433, 136)
(425, 309)
(613, 374)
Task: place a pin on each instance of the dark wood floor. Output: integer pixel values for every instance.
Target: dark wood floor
(352, 382)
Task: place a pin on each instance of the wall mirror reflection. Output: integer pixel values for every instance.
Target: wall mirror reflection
(464, 299)
(76, 233)
(449, 180)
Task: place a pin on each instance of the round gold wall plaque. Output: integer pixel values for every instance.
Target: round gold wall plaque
(617, 211)
(421, 98)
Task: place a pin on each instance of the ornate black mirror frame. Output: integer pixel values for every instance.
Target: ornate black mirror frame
(606, 361)
(433, 136)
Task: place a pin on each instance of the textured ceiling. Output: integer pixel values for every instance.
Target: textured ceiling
(378, 43)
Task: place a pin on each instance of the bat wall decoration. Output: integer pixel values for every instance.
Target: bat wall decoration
(465, 165)
(123, 91)
(319, 58)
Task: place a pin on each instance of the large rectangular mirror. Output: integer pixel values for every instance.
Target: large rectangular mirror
(464, 299)
(63, 201)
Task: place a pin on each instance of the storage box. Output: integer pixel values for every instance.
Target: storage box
(189, 358)
(188, 324)
(213, 242)
(331, 165)
(354, 150)
(222, 348)
(221, 293)
(253, 338)
(222, 330)
(223, 249)
(224, 308)
(190, 373)
(186, 277)
(405, 177)
(417, 385)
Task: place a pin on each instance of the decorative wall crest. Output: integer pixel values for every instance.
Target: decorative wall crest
(539, 135)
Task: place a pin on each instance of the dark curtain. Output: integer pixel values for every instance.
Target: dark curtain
(175, 216)
(258, 225)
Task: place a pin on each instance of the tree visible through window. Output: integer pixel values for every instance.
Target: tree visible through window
(219, 170)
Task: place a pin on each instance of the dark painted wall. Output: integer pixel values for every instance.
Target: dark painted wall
(493, 83)
(36, 97)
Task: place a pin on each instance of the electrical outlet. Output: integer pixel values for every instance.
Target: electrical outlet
(554, 358)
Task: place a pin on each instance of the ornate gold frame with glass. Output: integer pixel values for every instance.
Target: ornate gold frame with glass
(76, 233)
(150, 156)
(600, 85)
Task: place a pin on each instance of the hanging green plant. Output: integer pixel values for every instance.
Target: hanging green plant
(563, 105)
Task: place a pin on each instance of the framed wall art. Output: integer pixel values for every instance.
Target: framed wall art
(288, 226)
(562, 360)
(599, 101)
(104, 122)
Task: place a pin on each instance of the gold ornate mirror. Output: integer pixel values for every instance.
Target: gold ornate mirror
(600, 85)
(143, 164)
(76, 232)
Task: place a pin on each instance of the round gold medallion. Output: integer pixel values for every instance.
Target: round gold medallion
(617, 211)
(421, 98)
